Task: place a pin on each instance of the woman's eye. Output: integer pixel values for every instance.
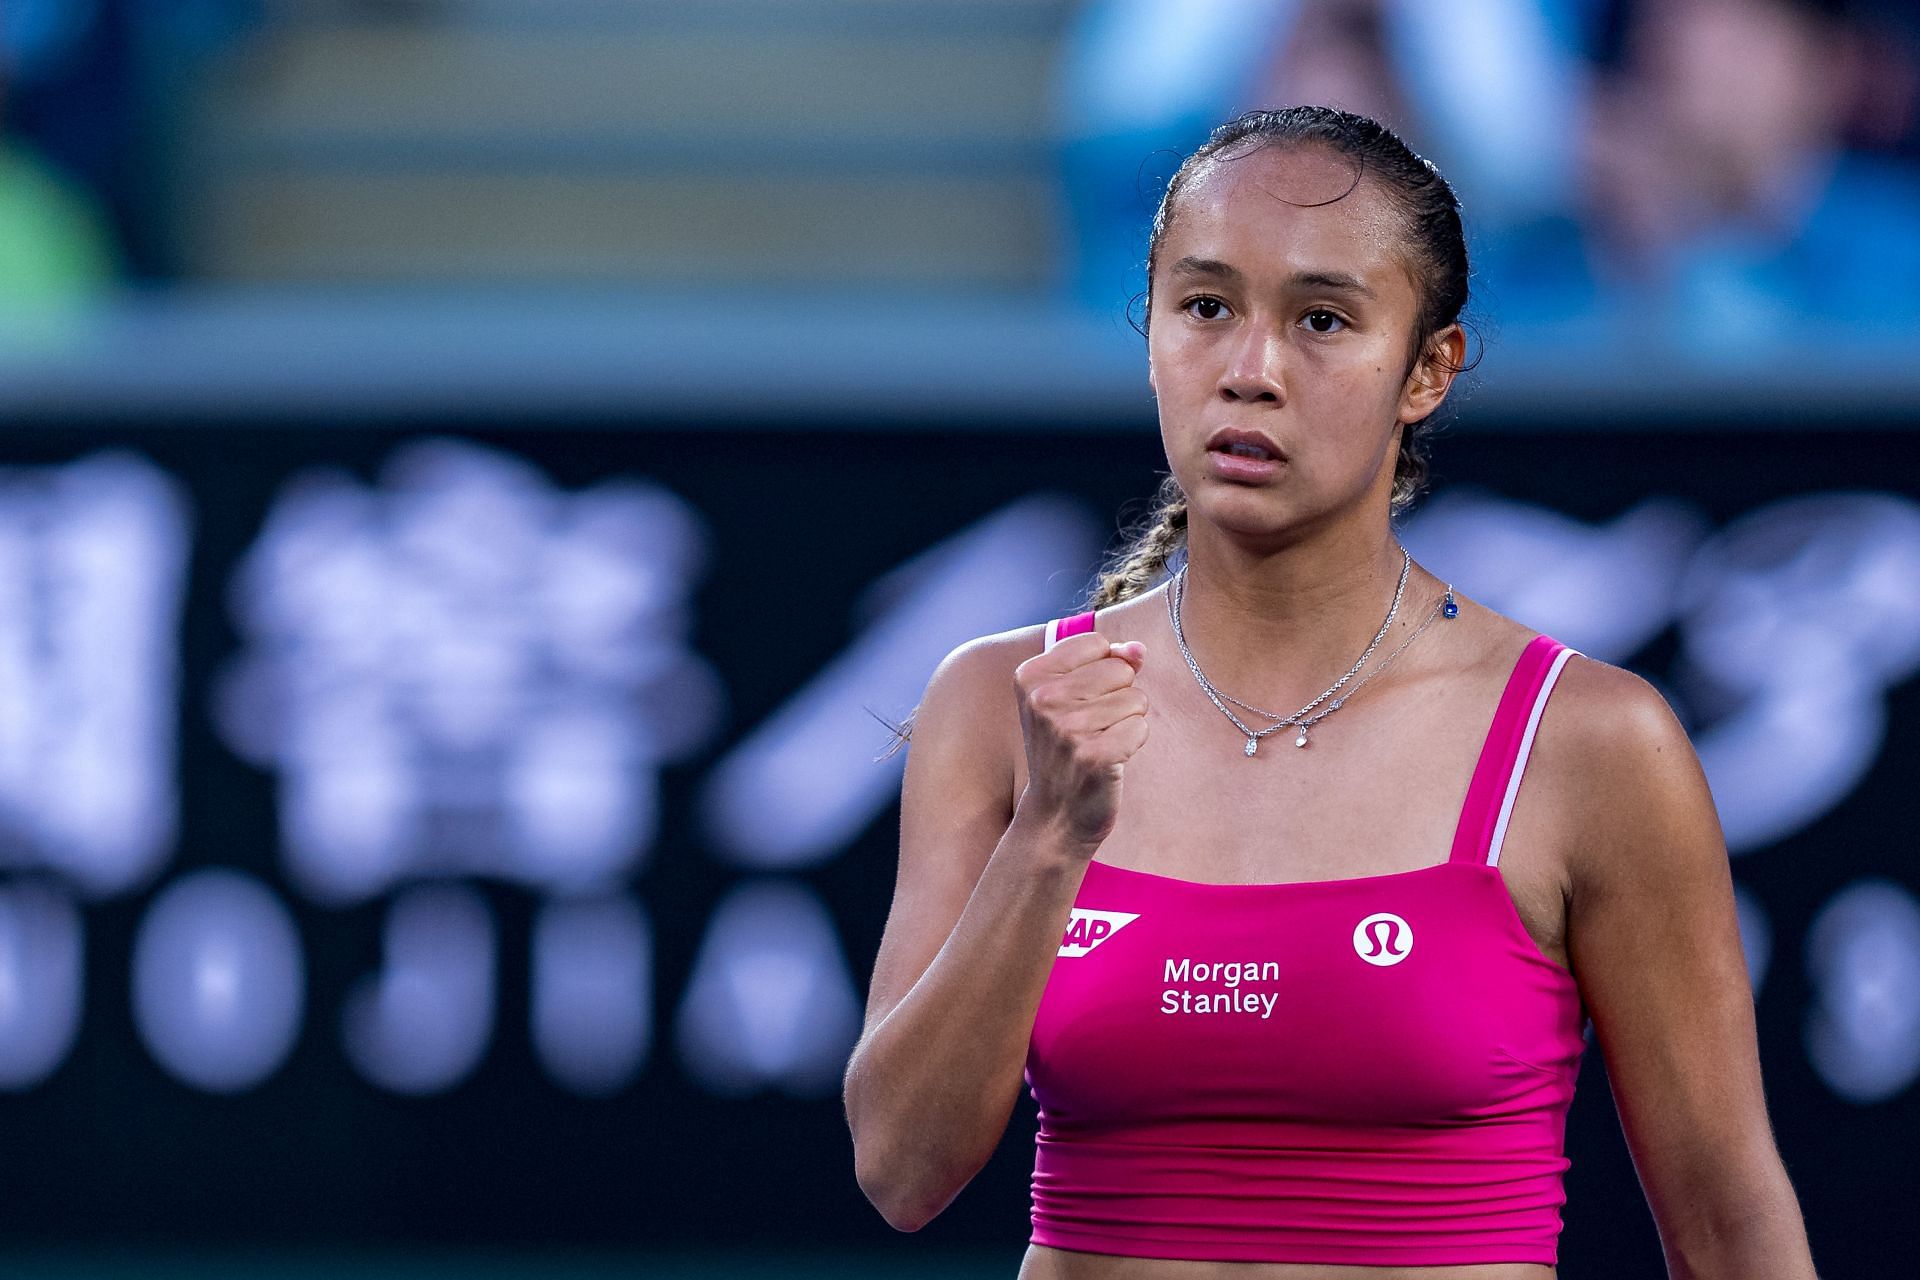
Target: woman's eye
(1320, 320)
(1204, 308)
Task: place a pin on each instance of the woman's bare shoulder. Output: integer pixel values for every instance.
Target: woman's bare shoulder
(1610, 718)
(1598, 713)
(983, 664)
(1628, 783)
(969, 717)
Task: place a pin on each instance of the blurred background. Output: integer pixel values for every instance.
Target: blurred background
(476, 474)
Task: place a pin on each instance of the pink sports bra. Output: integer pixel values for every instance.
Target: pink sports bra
(1371, 1072)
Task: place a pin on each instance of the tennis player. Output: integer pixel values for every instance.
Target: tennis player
(1288, 877)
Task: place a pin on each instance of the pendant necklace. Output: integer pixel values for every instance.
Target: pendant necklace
(1309, 715)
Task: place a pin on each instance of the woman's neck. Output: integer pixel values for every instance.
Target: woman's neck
(1277, 627)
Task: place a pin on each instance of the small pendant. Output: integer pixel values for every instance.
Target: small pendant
(1301, 741)
(1449, 609)
(1253, 744)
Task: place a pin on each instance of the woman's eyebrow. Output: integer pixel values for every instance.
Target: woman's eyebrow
(1338, 281)
(1213, 268)
(1192, 266)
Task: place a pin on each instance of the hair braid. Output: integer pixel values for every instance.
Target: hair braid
(1137, 568)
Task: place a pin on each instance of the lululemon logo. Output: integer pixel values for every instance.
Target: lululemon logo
(1383, 938)
(1088, 929)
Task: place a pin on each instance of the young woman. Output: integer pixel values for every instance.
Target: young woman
(1301, 991)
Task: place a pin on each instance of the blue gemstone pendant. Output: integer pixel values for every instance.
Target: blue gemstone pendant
(1449, 609)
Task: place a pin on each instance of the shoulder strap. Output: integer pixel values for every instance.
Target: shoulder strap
(1060, 628)
(1503, 759)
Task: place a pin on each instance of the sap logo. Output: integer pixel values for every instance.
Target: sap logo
(1088, 929)
(1383, 938)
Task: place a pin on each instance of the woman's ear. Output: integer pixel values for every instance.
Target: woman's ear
(1443, 357)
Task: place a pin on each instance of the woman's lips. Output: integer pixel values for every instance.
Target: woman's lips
(1242, 466)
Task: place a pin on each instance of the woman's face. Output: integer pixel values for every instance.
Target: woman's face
(1278, 343)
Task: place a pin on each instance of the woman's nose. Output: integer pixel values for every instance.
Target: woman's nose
(1255, 368)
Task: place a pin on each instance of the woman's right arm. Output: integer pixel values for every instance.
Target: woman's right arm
(980, 904)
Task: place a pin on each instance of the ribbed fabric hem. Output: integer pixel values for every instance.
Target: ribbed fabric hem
(1282, 1246)
(1401, 1205)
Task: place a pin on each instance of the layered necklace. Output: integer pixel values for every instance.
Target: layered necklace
(1313, 713)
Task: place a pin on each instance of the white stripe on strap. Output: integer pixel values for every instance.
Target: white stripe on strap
(1053, 634)
(1520, 760)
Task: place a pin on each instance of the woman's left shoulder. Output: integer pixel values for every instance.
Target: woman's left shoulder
(1596, 713)
(1627, 787)
(1603, 717)
(1600, 721)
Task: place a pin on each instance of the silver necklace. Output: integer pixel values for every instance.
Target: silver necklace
(1304, 718)
(1176, 593)
(1444, 606)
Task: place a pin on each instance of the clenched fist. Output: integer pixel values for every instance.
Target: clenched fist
(1083, 718)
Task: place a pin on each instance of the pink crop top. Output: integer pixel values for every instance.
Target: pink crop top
(1371, 1072)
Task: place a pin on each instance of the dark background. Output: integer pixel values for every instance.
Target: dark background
(113, 1151)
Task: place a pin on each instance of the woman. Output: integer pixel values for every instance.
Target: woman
(1287, 1009)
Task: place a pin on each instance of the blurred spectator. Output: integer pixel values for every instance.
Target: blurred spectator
(54, 244)
(1721, 191)
(1489, 90)
(1721, 204)
(1687, 175)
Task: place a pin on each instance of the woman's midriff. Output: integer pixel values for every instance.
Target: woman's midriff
(1043, 1263)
